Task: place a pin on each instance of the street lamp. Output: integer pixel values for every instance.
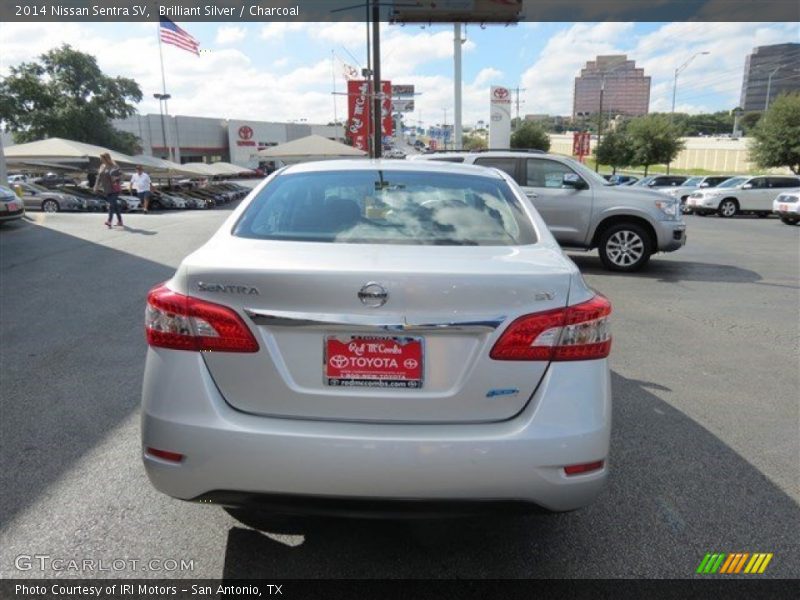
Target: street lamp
(769, 85)
(678, 72)
(163, 98)
(600, 111)
(675, 83)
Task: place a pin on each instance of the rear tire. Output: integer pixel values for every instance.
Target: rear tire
(50, 206)
(790, 220)
(625, 247)
(728, 208)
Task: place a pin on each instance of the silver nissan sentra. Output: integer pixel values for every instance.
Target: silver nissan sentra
(361, 335)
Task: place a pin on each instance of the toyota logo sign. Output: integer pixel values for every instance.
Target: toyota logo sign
(501, 93)
(245, 132)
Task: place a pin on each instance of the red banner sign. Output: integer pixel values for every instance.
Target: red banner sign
(359, 107)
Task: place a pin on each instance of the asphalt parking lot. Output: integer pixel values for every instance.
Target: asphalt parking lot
(705, 445)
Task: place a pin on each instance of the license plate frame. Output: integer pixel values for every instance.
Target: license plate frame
(373, 361)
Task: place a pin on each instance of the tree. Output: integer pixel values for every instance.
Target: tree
(65, 94)
(615, 150)
(473, 142)
(776, 140)
(654, 140)
(530, 135)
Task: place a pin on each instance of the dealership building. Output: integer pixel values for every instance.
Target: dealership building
(204, 139)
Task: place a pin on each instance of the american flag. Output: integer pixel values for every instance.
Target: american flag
(172, 34)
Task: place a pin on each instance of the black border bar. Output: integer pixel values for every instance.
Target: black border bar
(781, 11)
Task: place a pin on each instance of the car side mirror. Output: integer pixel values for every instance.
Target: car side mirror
(747, 186)
(704, 184)
(572, 180)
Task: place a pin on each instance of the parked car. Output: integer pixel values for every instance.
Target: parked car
(692, 185)
(660, 181)
(11, 205)
(741, 195)
(39, 197)
(622, 179)
(787, 206)
(92, 202)
(53, 179)
(17, 178)
(377, 337)
(626, 224)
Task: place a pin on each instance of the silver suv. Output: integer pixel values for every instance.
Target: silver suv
(582, 210)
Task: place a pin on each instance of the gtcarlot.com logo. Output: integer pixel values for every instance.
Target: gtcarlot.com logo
(734, 563)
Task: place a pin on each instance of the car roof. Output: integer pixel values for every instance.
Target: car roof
(390, 165)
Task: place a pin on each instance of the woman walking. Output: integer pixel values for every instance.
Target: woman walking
(109, 181)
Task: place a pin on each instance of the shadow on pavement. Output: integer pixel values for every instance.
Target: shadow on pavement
(671, 479)
(66, 358)
(672, 270)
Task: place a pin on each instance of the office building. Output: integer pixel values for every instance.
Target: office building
(775, 68)
(625, 88)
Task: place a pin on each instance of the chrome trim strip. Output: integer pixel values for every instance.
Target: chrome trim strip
(330, 322)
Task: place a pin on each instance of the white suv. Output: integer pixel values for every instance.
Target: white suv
(741, 195)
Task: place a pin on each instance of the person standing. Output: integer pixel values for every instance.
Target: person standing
(140, 182)
(109, 179)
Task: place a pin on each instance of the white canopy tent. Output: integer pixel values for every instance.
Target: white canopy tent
(225, 168)
(312, 147)
(158, 167)
(72, 154)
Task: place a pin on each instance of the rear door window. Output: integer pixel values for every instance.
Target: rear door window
(784, 182)
(508, 165)
(545, 173)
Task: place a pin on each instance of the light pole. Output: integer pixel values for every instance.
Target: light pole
(163, 98)
(769, 86)
(678, 72)
(444, 129)
(675, 84)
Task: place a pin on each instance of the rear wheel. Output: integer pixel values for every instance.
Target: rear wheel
(50, 206)
(790, 220)
(625, 247)
(728, 208)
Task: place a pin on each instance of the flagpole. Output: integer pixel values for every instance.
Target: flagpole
(333, 79)
(163, 93)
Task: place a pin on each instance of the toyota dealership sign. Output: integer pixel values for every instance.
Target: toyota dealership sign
(500, 122)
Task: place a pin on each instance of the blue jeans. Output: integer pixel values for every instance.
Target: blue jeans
(113, 207)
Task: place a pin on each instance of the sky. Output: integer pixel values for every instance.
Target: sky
(288, 71)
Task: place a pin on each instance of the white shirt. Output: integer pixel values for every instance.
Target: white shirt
(141, 183)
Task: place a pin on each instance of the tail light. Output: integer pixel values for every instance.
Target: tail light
(181, 322)
(579, 332)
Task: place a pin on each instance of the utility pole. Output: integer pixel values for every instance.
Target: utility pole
(457, 41)
(377, 103)
(769, 86)
(600, 117)
(516, 91)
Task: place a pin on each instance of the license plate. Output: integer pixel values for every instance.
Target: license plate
(783, 207)
(373, 361)
(12, 206)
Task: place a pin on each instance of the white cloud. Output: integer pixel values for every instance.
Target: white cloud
(230, 34)
(549, 80)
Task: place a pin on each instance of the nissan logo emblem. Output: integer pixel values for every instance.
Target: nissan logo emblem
(373, 295)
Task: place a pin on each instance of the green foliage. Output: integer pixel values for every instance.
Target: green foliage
(615, 150)
(530, 135)
(776, 140)
(473, 142)
(65, 94)
(654, 140)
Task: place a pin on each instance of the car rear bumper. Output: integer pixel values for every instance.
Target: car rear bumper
(237, 459)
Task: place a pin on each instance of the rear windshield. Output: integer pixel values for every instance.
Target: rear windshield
(387, 207)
